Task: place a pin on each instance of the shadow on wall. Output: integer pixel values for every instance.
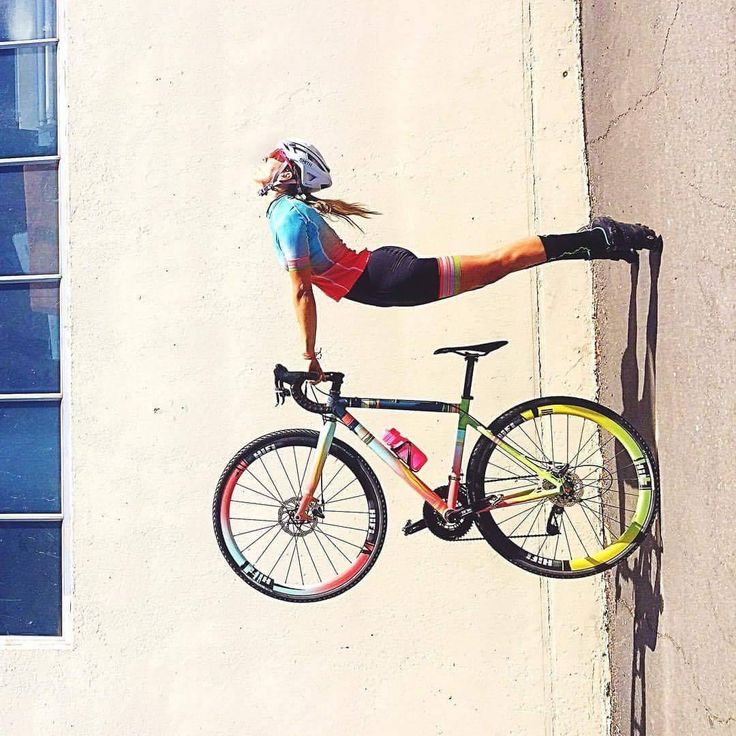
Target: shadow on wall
(641, 574)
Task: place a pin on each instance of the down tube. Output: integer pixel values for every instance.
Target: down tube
(402, 470)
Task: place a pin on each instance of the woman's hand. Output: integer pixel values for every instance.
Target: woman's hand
(315, 367)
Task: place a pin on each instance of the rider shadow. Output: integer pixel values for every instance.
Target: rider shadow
(643, 570)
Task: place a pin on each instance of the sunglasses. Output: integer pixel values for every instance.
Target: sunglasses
(278, 155)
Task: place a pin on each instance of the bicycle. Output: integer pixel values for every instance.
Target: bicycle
(560, 515)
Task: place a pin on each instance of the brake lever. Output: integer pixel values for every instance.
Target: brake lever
(281, 392)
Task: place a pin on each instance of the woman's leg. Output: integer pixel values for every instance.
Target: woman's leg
(480, 270)
(606, 238)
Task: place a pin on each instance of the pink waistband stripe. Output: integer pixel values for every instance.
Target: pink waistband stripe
(449, 267)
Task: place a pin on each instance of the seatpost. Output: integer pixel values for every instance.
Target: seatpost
(470, 361)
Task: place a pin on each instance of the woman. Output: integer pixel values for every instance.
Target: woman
(391, 276)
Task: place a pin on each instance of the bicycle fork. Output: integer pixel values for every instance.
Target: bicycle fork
(314, 471)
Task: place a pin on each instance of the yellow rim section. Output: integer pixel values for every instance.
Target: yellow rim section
(644, 502)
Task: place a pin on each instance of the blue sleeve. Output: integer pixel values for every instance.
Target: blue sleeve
(291, 231)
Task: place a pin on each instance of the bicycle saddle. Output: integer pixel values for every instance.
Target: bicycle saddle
(474, 350)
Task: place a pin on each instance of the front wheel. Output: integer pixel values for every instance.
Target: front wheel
(268, 547)
(607, 502)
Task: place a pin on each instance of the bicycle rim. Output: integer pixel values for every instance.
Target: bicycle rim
(267, 547)
(606, 506)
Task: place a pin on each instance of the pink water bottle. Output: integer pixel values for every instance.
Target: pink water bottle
(404, 449)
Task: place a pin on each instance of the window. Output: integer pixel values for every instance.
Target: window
(34, 579)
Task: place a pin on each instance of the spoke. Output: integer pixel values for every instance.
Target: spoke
(617, 522)
(304, 474)
(536, 506)
(258, 493)
(329, 559)
(511, 477)
(539, 436)
(600, 448)
(534, 521)
(337, 472)
(268, 473)
(513, 459)
(595, 432)
(252, 475)
(356, 528)
(557, 541)
(344, 511)
(288, 544)
(327, 536)
(299, 559)
(551, 437)
(256, 503)
(567, 539)
(349, 498)
(544, 541)
(306, 546)
(340, 539)
(266, 547)
(260, 536)
(283, 467)
(534, 445)
(508, 518)
(518, 488)
(567, 447)
(296, 467)
(334, 495)
(291, 560)
(611, 505)
(595, 533)
(582, 428)
(610, 489)
(587, 554)
(247, 518)
(250, 531)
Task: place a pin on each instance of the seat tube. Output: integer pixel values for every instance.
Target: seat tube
(311, 478)
(457, 456)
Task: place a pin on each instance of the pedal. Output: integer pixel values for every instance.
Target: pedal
(413, 527)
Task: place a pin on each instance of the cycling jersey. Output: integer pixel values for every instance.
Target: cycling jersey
(303, 239)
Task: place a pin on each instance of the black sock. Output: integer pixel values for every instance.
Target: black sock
(573, 245)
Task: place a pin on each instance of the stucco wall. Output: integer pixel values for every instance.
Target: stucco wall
(461, 123)
(659, 102)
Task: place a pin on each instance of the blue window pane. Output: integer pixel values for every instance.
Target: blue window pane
(29, 222)
(30, 578)
(21, 20)
(29, 338)
(27, 101)
(30, 457)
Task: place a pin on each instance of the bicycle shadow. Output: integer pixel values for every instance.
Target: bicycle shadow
(637, 581)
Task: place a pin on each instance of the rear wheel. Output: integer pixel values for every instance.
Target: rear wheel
(257, 532)
(608, 500)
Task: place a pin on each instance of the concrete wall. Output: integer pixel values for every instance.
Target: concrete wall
(462, 124)
(659, 102)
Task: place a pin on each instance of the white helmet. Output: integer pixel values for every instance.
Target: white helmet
(314, 174)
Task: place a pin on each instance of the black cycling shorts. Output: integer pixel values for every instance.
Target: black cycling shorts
(395, 277)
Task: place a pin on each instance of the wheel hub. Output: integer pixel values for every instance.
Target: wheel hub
(571, 490)
(296, 527)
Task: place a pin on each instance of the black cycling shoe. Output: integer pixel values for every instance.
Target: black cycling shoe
(624, 238)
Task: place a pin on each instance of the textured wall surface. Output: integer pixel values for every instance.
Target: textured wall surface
(462, 124)
(659, 103)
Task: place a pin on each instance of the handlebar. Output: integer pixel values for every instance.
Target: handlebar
(295, 379)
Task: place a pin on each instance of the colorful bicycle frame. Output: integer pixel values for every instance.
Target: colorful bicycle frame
(338, 406)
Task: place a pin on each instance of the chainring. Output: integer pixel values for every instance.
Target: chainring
(444, 529)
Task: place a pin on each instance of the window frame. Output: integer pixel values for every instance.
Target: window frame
(65, 639)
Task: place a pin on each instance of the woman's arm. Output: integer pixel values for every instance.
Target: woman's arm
(305, 307)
